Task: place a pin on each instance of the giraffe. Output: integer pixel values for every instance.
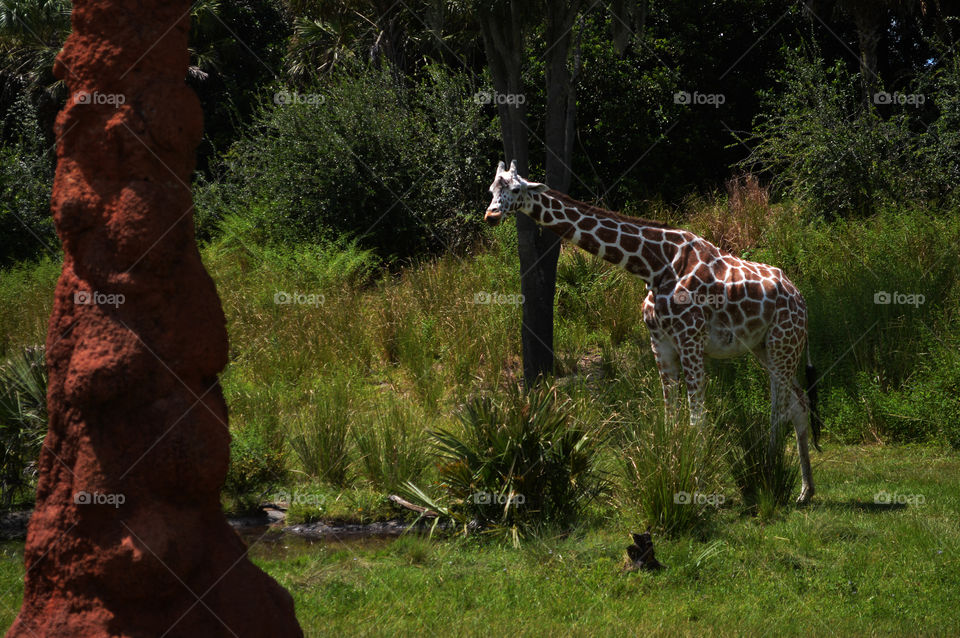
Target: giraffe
(701, 301)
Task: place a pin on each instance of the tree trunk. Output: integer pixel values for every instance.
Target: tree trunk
(869, 32)
(869, 18)
(539, 248)
(503, 42)
(561, 99)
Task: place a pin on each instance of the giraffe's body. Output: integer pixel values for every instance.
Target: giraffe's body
(702, 301)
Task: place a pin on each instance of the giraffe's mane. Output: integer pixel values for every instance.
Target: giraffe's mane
(603, 213)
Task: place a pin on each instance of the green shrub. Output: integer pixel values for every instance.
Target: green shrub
(393, 166)
(23, 418)
(257, 464)
(824, 147)
(942, 138)
(26, 180)
(519, 465)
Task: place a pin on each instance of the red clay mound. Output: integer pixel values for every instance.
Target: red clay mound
(128, 538)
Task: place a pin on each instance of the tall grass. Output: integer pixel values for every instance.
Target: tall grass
(26, 299)
(321, 434)
(766, 478)
(673, 470)
(391, 446)
(424, 338)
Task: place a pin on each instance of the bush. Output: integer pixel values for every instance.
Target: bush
(26, 180)
(23, 418)
(395, 167)
(257, 464)
(823, 146)
(520, 465)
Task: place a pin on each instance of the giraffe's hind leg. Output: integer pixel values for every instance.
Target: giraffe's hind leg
(800, 415)
(789, 403)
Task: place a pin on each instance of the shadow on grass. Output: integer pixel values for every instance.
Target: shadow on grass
(863, 506)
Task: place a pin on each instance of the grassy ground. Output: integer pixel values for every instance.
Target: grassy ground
(843, 566)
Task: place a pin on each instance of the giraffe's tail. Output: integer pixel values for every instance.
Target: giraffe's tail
(812, 401)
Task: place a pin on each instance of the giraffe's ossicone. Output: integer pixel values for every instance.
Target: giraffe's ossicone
(702, 301)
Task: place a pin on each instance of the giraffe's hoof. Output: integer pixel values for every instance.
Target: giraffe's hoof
(805, 496)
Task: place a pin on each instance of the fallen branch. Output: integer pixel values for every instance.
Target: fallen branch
(422, 511)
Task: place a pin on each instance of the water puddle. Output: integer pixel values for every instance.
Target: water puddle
(272, 543)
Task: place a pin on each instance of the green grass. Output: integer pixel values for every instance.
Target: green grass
(838, 567)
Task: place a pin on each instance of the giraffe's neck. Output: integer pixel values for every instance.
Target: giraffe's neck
(643, 248)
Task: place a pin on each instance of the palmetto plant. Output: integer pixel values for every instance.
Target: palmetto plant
(32, 32)
(23, 418)
(31, 35)
(520, 465)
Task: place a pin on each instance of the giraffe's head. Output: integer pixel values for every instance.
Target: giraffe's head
(511, 193)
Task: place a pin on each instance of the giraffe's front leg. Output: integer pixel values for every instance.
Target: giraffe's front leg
(668, 364)
(690, 345)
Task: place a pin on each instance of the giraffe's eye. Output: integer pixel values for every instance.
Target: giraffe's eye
(515, 189)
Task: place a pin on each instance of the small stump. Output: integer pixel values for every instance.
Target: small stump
(640, 554)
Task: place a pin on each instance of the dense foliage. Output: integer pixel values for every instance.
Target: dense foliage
(519, 465)
(364, 156)
(824, 147)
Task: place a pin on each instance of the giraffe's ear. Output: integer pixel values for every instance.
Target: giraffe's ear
(536, 187)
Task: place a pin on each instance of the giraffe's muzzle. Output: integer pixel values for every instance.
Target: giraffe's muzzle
(492, 217)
